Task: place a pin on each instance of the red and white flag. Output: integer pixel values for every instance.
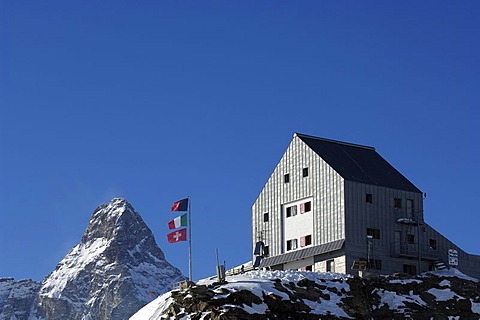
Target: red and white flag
(177, 236)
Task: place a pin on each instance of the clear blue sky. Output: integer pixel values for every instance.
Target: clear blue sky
(158, 100)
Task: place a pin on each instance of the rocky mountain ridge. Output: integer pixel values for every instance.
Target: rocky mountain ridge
(261, 295)
(115, 270)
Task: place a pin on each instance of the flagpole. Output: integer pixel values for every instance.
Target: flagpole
(189, 239)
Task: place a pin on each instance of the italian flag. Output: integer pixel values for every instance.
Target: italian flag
(178, 222)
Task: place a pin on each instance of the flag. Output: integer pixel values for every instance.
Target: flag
(177, 236)
(180, 221)
(181, 205)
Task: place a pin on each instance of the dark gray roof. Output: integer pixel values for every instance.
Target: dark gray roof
(358, 163)
(301, 254)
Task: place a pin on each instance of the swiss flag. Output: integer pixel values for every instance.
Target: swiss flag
(177, 236)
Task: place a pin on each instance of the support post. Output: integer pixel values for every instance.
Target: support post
(189, 239)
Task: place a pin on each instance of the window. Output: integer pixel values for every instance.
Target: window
(397, 203)
(377, 264)
(410, 269)
(308, 268)
(305, 207)
(265, 217)
(294, 244)
(286, 178)
(331, 265)
(291, 211)
(266, 251)
(369, 198)
(374, 233)
(433, 244)
(291, 244)
(308, 240)
(305, 172)
(411, 239)
(305, 241)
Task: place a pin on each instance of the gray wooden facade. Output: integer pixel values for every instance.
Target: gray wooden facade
(359, 208)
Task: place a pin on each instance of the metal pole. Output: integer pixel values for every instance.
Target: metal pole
(418, 244)
(189, 239)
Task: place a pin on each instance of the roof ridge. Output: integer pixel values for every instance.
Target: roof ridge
(301, 135)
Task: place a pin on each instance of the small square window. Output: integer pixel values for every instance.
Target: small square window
(305, 207)
(369, 198)
(411, 239)
(374, 233)
(291, 211)
(410, 269)
(292, 244)
(305, 172)
(308, 240)
(305, 241)
(433, 244)
(286, 178)
(308, 268)
(265, 217)
(397, 203)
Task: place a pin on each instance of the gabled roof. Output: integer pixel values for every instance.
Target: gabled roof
(358, 163)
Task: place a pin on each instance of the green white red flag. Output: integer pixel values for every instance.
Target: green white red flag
(180, 221)
(177, 236)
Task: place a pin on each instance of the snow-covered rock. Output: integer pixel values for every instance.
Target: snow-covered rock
(309, 295)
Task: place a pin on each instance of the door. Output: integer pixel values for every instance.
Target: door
(398, 240)
(410, 209)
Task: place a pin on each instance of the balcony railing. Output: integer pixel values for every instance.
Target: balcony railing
(410, 250)
(408, 218)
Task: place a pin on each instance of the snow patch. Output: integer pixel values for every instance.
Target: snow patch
(80, 256)
(443, 294)
(154, 309)
(404, 281)
(476, 307)
(397, 301)
(452, 272)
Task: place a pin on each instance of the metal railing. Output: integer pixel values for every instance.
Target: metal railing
(408, 218)
(410, 250)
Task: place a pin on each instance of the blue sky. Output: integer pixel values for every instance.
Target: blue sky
(158, 100)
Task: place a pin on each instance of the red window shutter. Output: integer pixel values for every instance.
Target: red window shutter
(302, 208)
(302, 241)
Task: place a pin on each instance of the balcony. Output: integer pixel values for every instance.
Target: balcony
(408, 250)
(408, 218)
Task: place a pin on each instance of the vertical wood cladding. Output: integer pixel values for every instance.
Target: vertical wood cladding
(323, 184)
(345, 209)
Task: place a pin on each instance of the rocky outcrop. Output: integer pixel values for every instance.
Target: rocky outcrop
(297, 295)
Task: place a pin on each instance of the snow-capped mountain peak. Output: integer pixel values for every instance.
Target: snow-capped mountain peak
(115, 269)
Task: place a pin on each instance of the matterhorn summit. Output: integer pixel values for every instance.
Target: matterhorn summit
(115, 270)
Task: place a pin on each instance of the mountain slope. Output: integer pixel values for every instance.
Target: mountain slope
(261, 295)
(17, 298)
(111, 273)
